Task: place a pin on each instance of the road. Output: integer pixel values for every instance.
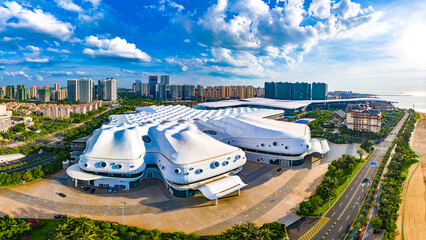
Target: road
(336, 223)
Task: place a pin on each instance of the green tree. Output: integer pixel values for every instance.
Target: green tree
(376, 223)
(316, 202)
(11, 228)
(360, 153)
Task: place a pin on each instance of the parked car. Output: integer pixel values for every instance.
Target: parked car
(93, 190)
(86, 189)
(109, 189)
(60, 216)
(62, 195)
(114, 189)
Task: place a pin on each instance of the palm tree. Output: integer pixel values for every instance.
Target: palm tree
(109, 234)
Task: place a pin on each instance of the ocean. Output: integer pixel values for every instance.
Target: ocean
(408, 100)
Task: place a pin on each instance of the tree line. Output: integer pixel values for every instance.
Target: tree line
(335, 176)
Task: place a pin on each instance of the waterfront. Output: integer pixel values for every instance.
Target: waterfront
(407, 100)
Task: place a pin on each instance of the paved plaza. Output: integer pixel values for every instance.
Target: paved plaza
(271, 195)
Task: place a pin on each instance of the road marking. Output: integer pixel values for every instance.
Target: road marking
(313, 231)
(358, 198)
(340, 228)
(340, 204)
(333, 214)
(352, 196)
(352, 188)
(348, 217)
(346, 196)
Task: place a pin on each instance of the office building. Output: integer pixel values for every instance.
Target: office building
(57, 87)
(284, 90)
(319, 91)
(153, 81)
(137, 87)
(301, 91)
(175, 92)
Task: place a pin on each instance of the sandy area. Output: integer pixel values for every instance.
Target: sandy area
(415, 199)
(271, 195)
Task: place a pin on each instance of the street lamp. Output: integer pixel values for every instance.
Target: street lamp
(329, 201)
(122, 212)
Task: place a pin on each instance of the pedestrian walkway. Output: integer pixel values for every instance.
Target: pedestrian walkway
(313, 231)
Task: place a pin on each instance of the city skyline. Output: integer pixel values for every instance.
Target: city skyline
(351, 45)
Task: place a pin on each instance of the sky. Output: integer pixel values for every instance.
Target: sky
(365, 46)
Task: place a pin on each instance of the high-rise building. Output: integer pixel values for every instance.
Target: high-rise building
(165, 79)
(57, 86)
(188, 92)
(259, 92)
(144, 89)
(301, 91)
(211, 94)
(319, 91)
(200, 93)
(137, 87)
(10, 91)
(175, 92)
(33, 92)
(80, 90)
(284, 90)
(224, 92)
(21, 93)
(111, 89)
(270, 90)
(44, 95)
(152, 80)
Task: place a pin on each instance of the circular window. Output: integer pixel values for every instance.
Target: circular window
(86, 165)
(262, 145)
(146, 139)
(177, 170)
(216, 164)
(163, 167)
(120, 166)
(210, 132)
(307, 146)
(103, 164)
(226, 162)
(275, 143)
(191, 168)
(200, 170)
(286, 147)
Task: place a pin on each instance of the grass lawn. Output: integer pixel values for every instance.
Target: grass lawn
(49, 225)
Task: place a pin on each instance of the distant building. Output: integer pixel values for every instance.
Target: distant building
(33, 92)
(57, 86)
(44, 95)
(188, 92)
(107, 89)
(21, 93)
(284, 90)
(200, 93)
(319, 91)
(153, 81)
(176, 92)
(80, 90)
(259, 92)
(361, 117)
(10, 91)
(58, 95)
(224, 92)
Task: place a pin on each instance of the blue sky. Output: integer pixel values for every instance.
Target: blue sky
(352, 45)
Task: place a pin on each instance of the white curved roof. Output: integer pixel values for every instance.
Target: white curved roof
(180, 142)
(221, 187)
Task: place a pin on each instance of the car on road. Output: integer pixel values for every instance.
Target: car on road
(114, 189)
(109, 189)
(86, 189)
(93, 190)
(366, 181)
(60, 216)
(62, 195)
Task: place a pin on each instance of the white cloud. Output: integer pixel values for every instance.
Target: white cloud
(68, 5)
(8, 39)
(95, 3)
(39, 77)
(32, 48)
(34, 20)
(17, 74)
(81, 73)
(348, 9)
(320, 9)
(170, 3)
(178, 63)
(115, 47)
(187, 40)
(127, 71)
(2, 67)
(57, 50)
(37, 60)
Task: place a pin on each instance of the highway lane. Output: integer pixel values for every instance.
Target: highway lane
(336, 223)
(343, 212)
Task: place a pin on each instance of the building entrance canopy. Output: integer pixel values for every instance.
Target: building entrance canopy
(221, 187)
